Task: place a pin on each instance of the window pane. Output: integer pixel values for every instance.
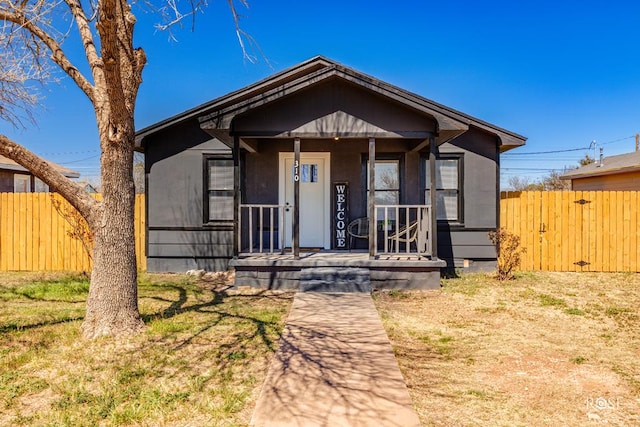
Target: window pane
(40, 187)
(447, 205)
(221, 174)
(221, 206)
(21, 183)
(387, 175)
(447, 174)
(220, 190)
(308, 173)
(387, 198)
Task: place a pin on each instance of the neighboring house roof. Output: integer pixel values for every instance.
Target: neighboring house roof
(621, 163)
(87, 186)
(8, 164)
(216, 116)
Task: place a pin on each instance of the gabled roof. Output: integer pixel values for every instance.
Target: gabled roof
(8, 164)
(216, 116)
(621, 163)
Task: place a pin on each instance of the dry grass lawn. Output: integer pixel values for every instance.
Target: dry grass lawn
(546, 349)
(201, 361)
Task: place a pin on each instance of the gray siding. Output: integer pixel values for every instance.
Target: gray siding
(480, 192)
(177, 239)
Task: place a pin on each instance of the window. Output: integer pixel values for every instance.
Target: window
(387, 182)
(40, 187)
(448, 185)
(21, 183)
(308, 173)
(219, 185)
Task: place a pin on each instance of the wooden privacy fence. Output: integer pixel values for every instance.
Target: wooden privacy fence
(561, 230)
(35, 236)
(575, 230)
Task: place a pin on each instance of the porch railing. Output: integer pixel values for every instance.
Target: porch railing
(403, 229)
(261, 228)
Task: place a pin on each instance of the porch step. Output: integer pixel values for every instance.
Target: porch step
(335, 279)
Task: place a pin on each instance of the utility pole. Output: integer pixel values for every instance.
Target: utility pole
(637, 139)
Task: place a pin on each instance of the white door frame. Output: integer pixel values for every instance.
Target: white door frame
(327, 187)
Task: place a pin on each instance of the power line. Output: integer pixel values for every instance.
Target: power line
(568, 149)
(79, 160)
(51, 153)
(535, 169)
(546, 152)
(618, 140)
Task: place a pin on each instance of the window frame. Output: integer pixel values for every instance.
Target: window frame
(206, 193)
(23, 177)
(385, 157)
(459, 157)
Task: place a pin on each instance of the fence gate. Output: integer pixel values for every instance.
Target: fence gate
(574, 230)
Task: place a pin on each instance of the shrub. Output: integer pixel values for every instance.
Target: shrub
(509, 252)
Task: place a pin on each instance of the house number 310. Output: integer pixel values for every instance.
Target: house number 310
(296, 170)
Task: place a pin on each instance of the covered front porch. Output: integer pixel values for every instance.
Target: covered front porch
(333, 179)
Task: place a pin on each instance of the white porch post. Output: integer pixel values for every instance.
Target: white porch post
(372, 198)
(296, 198)
(433, 235)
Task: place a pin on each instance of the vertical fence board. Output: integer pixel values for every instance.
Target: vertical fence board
(544, 231)
(568, 230)
(599, 228)
(590, 219)
(3, 232)
(39, 207)
(579, 231)
(604, 250)
(633, 231)
(613, 237)
(623, 261)
(28, 228)
(47, 223)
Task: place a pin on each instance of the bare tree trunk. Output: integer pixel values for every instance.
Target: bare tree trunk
(112, 305)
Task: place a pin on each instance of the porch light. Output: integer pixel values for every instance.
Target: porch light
(336, 138)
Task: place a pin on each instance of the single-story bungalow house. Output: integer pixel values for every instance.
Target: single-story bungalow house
(277, 181)
(621, 172)
(16, 179)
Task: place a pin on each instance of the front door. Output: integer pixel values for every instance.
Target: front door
(314, 198)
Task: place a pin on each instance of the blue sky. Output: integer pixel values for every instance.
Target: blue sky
(562, 73)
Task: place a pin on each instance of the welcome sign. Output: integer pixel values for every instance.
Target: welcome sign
(340, 214)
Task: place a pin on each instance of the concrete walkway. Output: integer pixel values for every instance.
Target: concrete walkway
(335, 367)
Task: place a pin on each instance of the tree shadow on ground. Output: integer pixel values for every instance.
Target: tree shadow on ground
(227, 328)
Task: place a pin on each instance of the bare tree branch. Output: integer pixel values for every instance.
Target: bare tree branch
(242, 35)
(88, 207)
(34, 37)
(90, 50)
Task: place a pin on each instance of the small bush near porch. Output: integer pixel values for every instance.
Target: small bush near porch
(201, 361)
(544, 349)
